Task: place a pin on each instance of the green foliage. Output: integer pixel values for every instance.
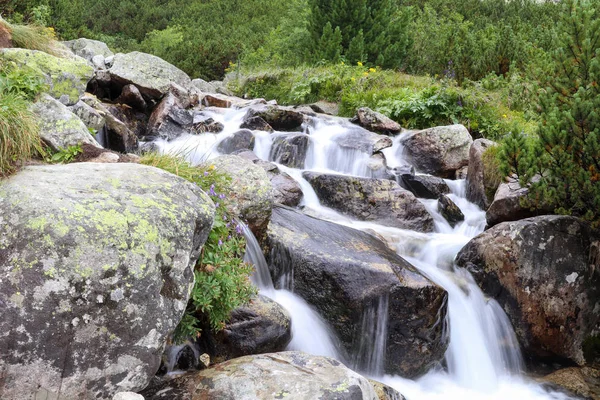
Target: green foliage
(66, 155)
(492, 167)
(415, 102)
(329, 46)
(562, 165)
(222, 280)
(378, 26)
(19, 131)
(33, 37)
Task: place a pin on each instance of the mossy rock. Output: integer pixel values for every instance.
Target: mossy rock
(287, 375)
(96, 269)
(66, 78)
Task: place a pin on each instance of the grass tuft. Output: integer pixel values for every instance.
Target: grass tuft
(19, 132)
(33, 37)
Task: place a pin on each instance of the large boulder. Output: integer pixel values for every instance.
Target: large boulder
(378, 200)
(345, 273)
(66, 78)
(480, 187)
(96, 268)
(251, 191)
(88, 49)
(279, 118)
(238, 141)
(290, 150)
(438, 151)
(286, 190)
(510, 204)
(539, 271)
(450, 211)
(288, 375)
(169, 119)
(263, 326)
(362, 140)
(376, 122)
(150, 74)
(59, 127)
(203, 86)
(424, 186)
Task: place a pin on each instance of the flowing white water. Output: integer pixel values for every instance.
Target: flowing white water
(483, 358)
(310, 333)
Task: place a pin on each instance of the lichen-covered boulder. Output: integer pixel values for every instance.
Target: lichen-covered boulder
(438, 151)
(150, 74)
(384, 392)
(251, 191)
(66, 78)
(376, 122)
(378, 200)
(96, 268)
(480, 188)
(88, 49)
(348, 275)
(59, 127)
(542, 272)
(290, 150)
(288, 375)
(287, 190)
(203, 86)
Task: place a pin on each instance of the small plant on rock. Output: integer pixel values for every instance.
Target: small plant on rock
(222, 278)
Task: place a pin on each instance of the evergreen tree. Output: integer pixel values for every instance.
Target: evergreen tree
(383, 27)
(330, 44)
(356, 49)
(566, 155)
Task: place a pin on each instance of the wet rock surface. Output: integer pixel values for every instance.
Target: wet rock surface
(450, 211)
(240, 140)
(378, 200)
(280, 119)
(538, 269)
(424, 186)
(290, 150)
(342, 272)
(96, 268)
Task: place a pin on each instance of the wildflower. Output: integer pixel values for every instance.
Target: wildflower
(220, 242)
(212, 167)
(211, 191)
(229, 237)
(353, 79)
(372, 70)
(365, 73)
(217, 204)
(224, 217)
(205, 173)
(342, 63)
(360, 64)
(221, 196)
(238, 229)
(504, 116)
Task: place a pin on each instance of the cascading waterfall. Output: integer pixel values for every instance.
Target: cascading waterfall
(483, 358)
(370, 357)
(310, 333)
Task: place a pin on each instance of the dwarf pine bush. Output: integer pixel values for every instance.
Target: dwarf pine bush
(565, 155)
